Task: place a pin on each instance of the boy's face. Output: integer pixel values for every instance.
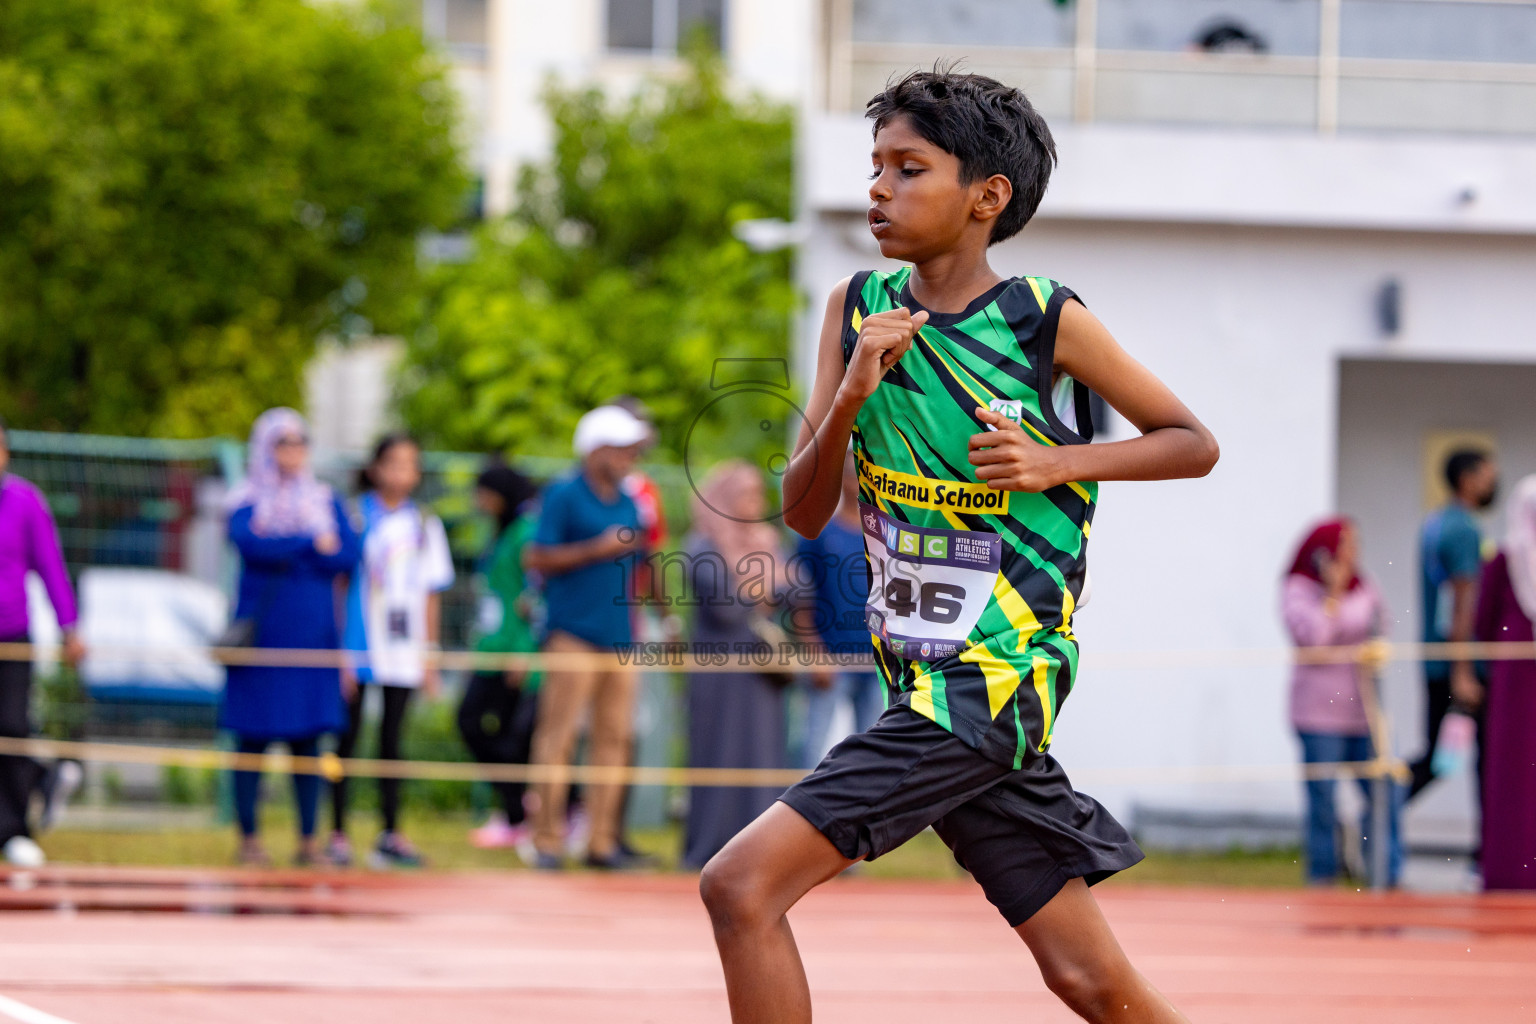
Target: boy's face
(918, 208)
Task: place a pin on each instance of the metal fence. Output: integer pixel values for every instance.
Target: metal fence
(1326, 65)
(158, 504)
(144, 502)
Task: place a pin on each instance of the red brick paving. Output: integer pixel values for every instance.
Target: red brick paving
(299, 948)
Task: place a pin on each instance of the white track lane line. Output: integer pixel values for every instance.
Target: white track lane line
(27, 1014)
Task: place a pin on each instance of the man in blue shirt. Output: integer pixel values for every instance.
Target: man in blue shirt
(587, 526)
(839, 576)
(1450, 560)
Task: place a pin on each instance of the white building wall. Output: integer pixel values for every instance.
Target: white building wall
(1247, 322)
(767, 48)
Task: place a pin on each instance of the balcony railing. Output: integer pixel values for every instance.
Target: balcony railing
(1325, 65)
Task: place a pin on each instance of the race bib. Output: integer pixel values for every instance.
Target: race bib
(928, 587)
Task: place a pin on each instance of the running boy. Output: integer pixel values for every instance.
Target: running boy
(976, 497)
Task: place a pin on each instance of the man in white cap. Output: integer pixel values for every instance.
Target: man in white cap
(587, 529)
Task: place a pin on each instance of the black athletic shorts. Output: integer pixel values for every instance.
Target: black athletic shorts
(1022, 834)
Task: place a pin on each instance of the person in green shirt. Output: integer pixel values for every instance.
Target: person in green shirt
(496, 717)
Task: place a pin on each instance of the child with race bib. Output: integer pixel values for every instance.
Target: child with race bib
(394, 612)
(965, 395)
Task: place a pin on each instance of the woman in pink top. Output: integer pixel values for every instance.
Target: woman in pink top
(1326, 602)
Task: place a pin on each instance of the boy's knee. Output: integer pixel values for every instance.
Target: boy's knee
(730, 892)
(1090, 992)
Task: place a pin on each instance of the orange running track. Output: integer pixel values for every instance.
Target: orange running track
(98, 946)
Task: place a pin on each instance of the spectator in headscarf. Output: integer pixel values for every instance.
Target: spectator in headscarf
(1326, 602)
(295, 542)
(1506, 609)
(497, 713)
(735, 719)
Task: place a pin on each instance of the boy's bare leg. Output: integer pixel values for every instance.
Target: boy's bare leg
(748, 887)
(1084, 965)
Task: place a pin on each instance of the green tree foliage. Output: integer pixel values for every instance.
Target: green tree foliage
(192, 190)
(618, 274)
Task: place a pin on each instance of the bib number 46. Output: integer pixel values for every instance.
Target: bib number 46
(936, 602)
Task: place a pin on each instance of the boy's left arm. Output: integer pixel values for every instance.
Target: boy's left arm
(1173, 443)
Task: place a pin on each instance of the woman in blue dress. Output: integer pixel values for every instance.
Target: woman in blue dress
(295, 545)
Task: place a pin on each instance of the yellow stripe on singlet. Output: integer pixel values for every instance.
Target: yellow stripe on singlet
(1019, 614)
(949, 516)
(1001, 676)
(1036, 289)
(922, 696)
(1068, 606)
(1043, 691)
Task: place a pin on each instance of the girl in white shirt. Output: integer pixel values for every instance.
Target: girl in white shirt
(393, 620)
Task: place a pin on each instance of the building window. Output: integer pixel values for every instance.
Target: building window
(457, 23)
(660, 26)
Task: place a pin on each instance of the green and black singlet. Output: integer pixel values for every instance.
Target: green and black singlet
(973, 589)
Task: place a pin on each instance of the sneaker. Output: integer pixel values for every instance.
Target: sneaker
(252, 855)
(578, 830)
(548, 862)
(394, 851)
(338, 850)
(618, 860)
(496, 834)
(62, 782)
(22, 852)
(637, 858)
(527, 852)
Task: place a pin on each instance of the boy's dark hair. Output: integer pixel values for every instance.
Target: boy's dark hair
(990, 127)
(1460, 463)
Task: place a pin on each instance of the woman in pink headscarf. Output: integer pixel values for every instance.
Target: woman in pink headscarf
(1327, 602)
(1506, 606)
(735, 719)
(294, 542)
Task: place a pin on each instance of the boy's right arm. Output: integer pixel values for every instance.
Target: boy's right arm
(814, 480)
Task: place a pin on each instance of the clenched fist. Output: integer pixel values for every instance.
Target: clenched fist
(883, 339)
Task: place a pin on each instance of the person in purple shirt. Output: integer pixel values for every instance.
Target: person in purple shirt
(1327, 602)
(29, 542)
